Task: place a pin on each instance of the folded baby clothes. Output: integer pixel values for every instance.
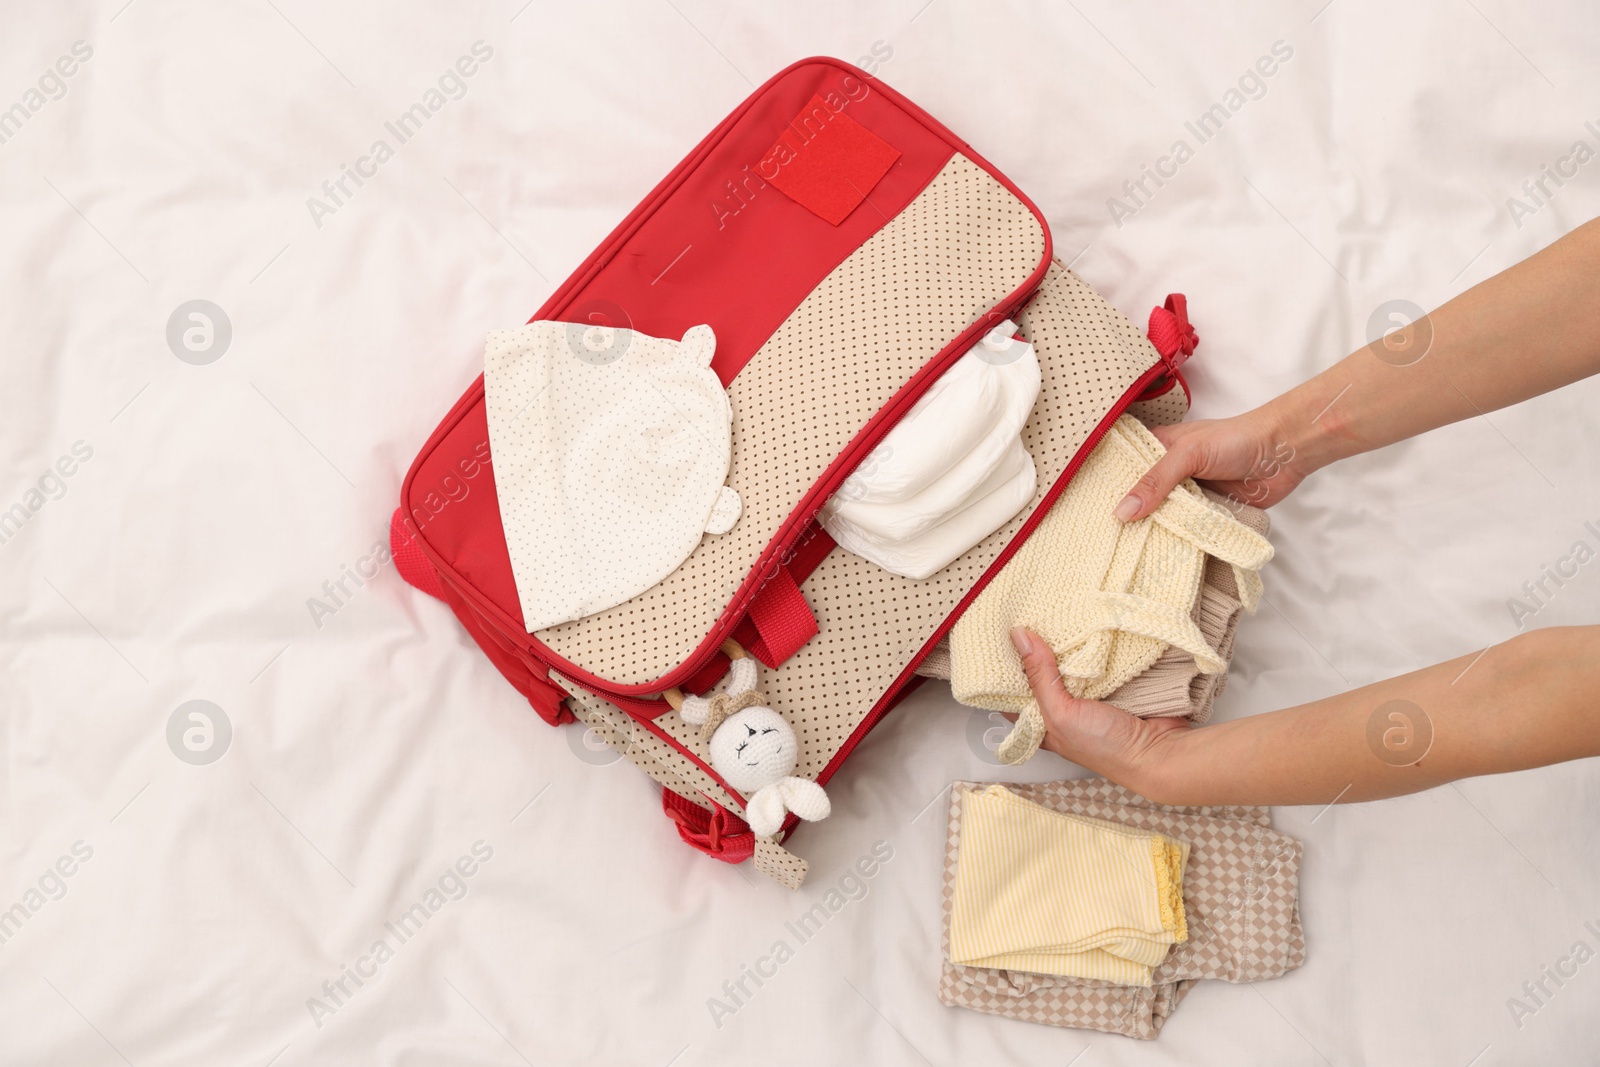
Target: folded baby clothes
(610, 451)
(1049, 892)
(1108, 597)
(1174, 684)
(951, 471)
(1241, 906)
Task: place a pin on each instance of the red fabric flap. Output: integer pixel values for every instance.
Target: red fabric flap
(826, 161)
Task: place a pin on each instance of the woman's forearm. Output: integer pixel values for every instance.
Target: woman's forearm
(1531, 701)
(1531, 328)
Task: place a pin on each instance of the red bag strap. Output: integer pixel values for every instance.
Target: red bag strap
(779, 621)
(718, 833)
(782, 619)
(1171, 332)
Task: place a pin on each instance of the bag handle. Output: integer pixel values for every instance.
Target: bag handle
(782, 619)
(779, 621)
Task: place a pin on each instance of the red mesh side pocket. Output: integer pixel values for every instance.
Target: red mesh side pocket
(718, 833)
(409, 560)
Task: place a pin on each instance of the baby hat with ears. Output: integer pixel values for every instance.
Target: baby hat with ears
(610, 451)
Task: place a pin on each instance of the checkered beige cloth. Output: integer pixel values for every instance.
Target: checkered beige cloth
(1240, 896)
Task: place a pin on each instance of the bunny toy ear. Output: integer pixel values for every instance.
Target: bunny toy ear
(805, 798)
(699, 345)
(765, 810)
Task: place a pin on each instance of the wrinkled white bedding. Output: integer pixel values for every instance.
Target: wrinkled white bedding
(210, 528)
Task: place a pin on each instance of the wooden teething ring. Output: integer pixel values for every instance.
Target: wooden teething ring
(730, 648)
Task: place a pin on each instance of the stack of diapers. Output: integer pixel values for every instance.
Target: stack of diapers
(951, 471)
(1056, 895)
(1109, 598)
(1173, 686)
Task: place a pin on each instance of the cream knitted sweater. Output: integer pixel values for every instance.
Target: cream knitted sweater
(1108, 597)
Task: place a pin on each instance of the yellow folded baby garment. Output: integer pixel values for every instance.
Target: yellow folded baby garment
(1107, 597)
(1053, 893)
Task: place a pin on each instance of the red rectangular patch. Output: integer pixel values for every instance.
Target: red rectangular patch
(826, 161)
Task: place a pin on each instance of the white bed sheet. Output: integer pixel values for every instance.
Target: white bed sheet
(373, 747)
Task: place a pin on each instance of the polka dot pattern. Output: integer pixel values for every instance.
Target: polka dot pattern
(1164, 410)
(872, 623)
(954, 252)
(779, 864)
(610, 449)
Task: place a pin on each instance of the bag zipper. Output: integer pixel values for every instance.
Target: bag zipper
(803, 515)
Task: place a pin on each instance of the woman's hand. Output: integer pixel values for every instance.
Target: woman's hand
(1105, 739)
(1449, 365)
(1525, 703)
(1242, 457)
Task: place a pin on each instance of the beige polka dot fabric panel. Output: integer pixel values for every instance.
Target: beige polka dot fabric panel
(644, 749)
(1164, 410)
(959, 248)
(871, 622)
(779, 864)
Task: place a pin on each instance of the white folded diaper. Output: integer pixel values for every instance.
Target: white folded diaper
(952, 471)
(922, 555)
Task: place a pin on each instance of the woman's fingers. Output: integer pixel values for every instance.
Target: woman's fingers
(1095, 735)
(1154, 485)
(1232, 456)
(1107, 740)
(1039, 664)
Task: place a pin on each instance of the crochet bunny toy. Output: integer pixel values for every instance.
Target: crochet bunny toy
(755, 751)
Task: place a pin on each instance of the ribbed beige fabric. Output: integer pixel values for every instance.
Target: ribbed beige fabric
(936, 664)
(1166, 688)
(1174, 685)
(1107, 596)
(1053, 893)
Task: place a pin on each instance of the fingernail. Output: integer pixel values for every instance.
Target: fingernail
(1128, 508)
(1020, 638)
